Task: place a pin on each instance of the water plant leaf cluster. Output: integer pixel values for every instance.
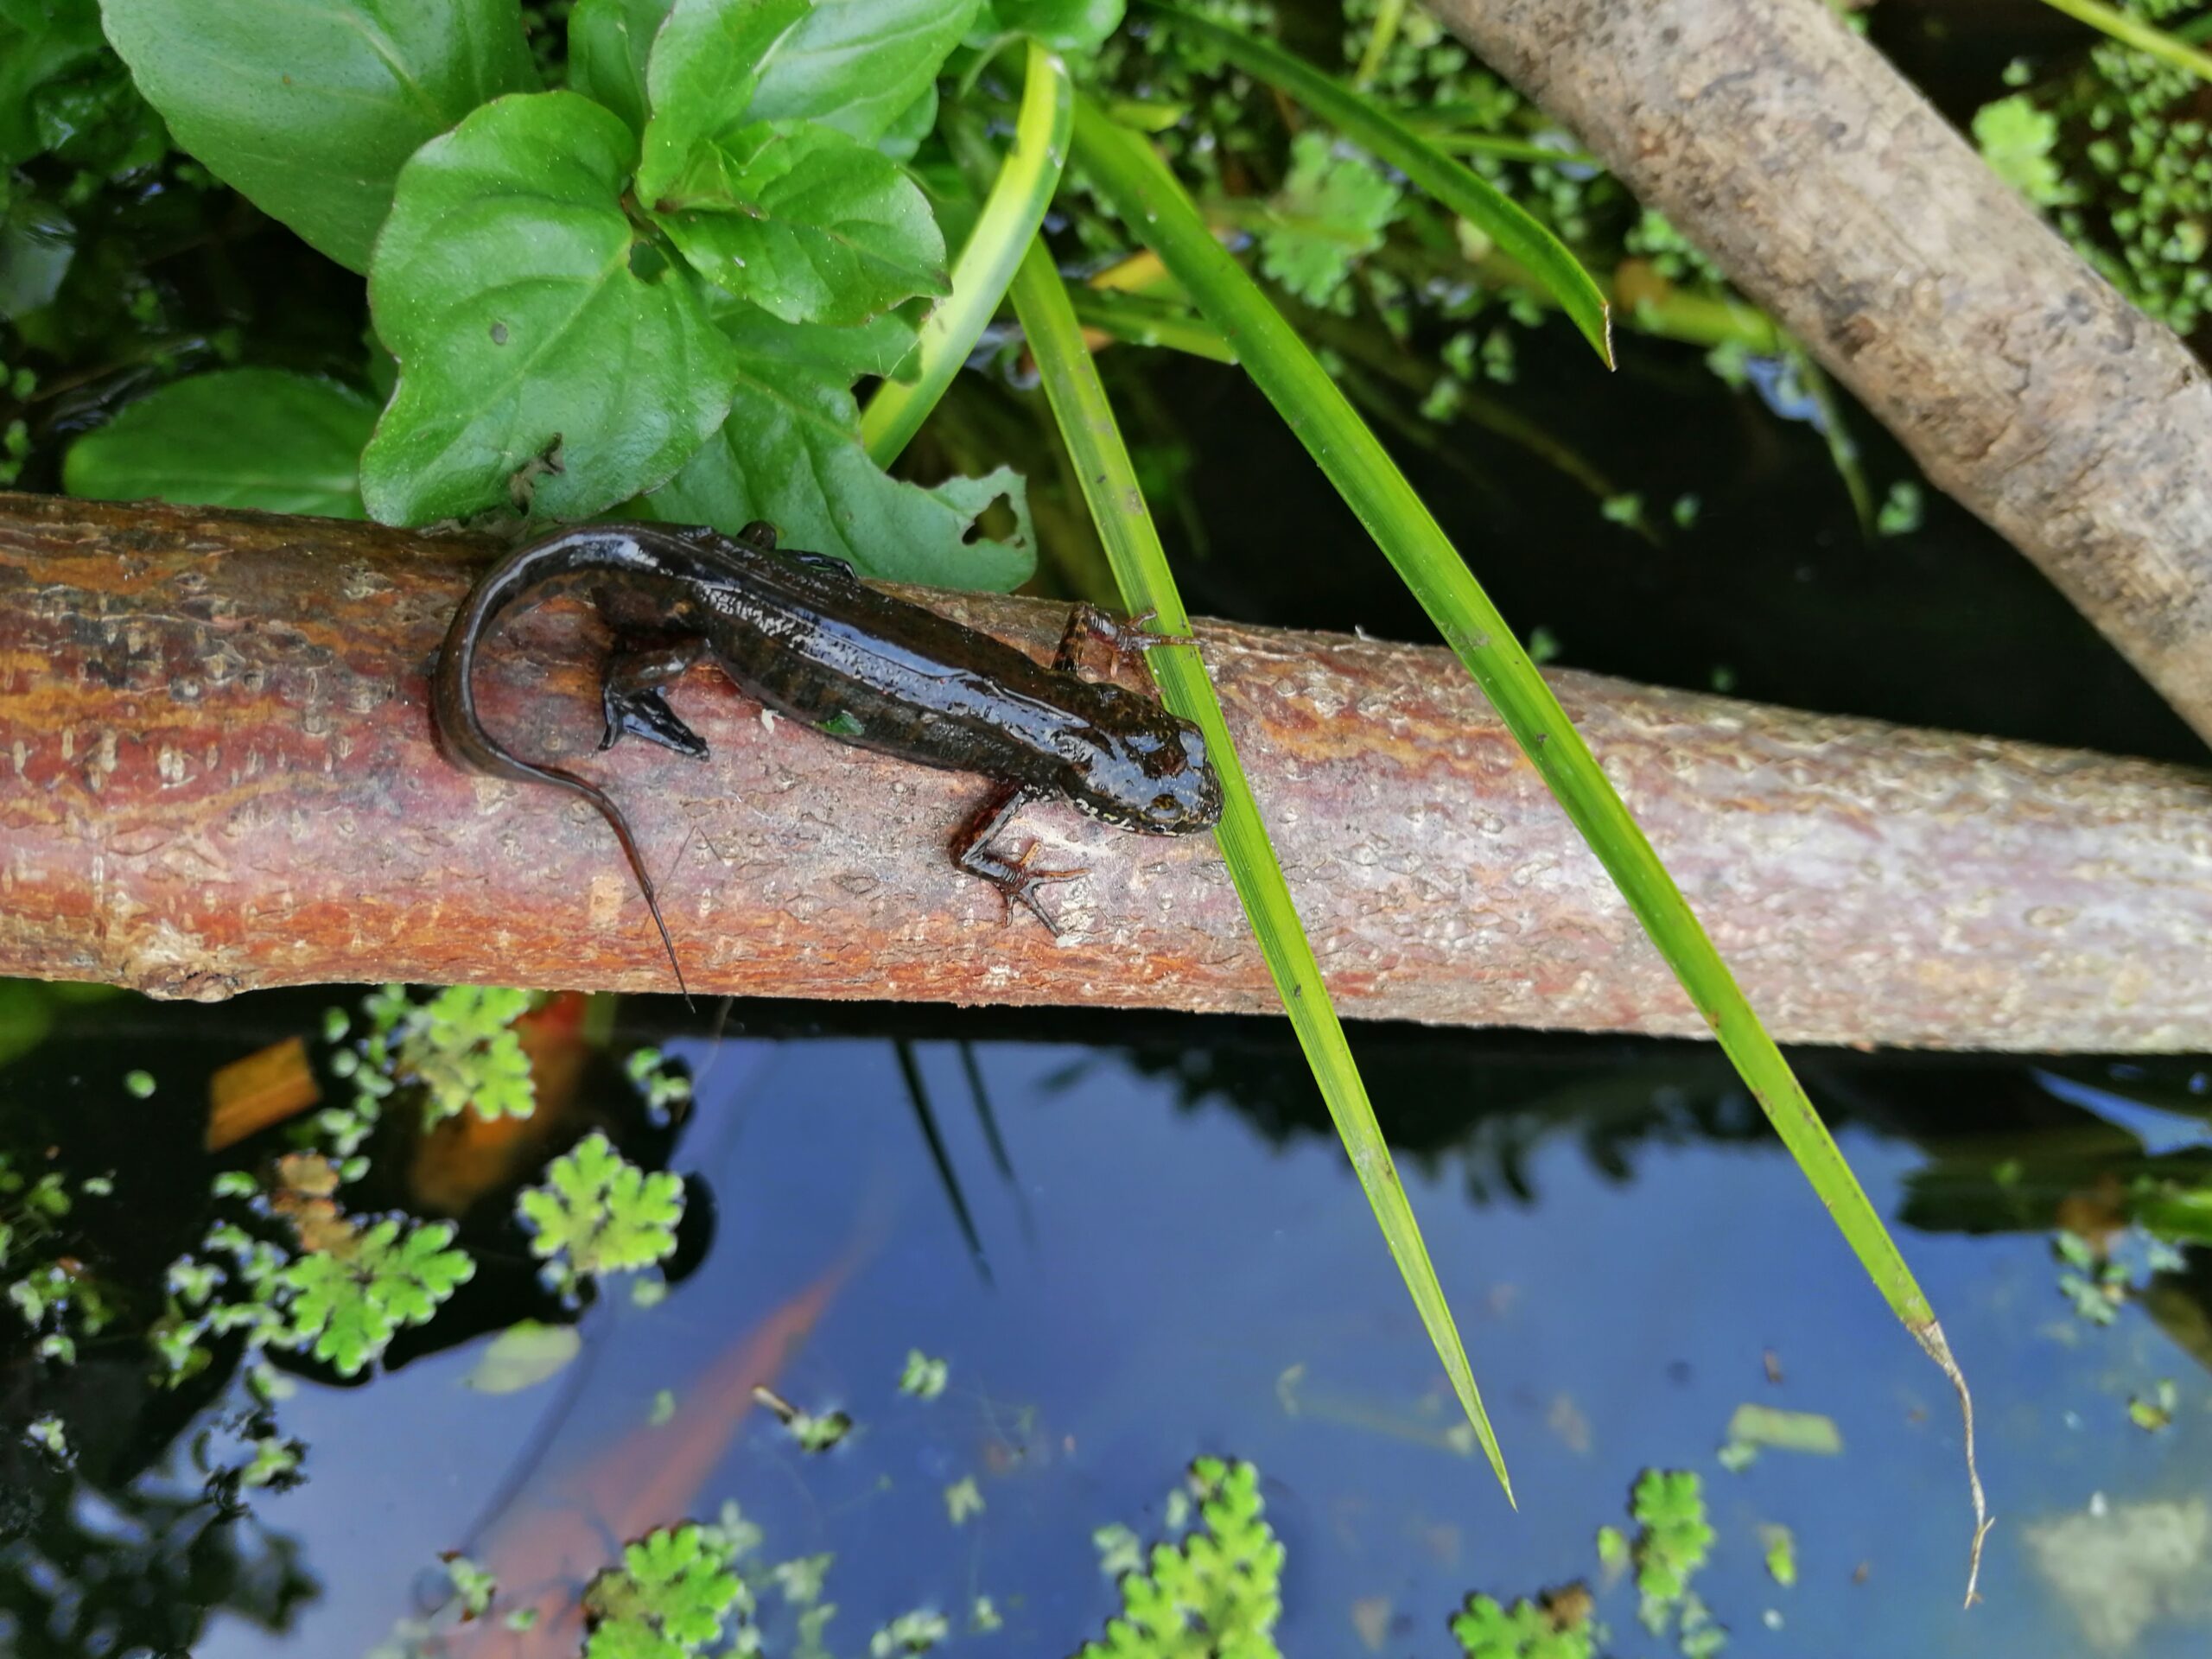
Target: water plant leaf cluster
(672, 1596)
(50, 1291)
(1215, 1595)
(342, 1301)
(2115, 146)
(596, 1212)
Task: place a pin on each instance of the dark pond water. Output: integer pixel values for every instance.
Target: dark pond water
(1135, 1243)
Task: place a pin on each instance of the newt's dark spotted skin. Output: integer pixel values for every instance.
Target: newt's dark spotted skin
(801, 634)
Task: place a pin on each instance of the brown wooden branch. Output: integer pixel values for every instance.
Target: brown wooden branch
(219, 774)
(1824, 185)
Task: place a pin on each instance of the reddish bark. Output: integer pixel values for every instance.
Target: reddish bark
(219, 773)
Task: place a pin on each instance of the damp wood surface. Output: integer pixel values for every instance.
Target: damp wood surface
(1830, 191)
(218, 772)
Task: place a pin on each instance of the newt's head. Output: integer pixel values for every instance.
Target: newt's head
(1145, 771)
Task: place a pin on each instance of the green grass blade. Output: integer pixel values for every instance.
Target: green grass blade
(1131, 178)
(2130, 31)
(1012, 213)
(1518, 235)
(1132, 543)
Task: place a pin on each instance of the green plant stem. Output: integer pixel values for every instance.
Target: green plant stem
(1517, 233)
(1382, 36)
(1144, 194)
(1012, 213)
(2131, 30)
(1142, 321)
(1132, 543)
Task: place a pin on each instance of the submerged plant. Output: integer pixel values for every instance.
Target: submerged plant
(1217, 1593)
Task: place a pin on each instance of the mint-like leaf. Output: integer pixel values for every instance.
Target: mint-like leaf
(508, 283)
(1063, 25)
(792, 454)
(808, 224)
(262, 438)
(701, 76)
(608, 43)
(858, 65)
(310, 109)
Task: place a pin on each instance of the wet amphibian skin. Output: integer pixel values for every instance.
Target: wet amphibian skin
(801, 634)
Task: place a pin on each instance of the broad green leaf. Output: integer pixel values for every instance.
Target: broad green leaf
(910, 126)
(263, 438)
(858, 65)
(701, 76)
(791, 454)
(608, 43)
(808, 224)
(1063, 25)
(507, 285)
(310, 107)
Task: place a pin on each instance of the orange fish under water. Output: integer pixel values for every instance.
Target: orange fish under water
(559, 1532)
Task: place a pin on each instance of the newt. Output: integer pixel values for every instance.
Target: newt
(802, 634)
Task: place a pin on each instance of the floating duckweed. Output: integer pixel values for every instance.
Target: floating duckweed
(924, 1378)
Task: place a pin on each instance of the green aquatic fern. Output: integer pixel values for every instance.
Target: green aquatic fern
(1486, 1630)
(1332, 209)
(1676, 1539)
(345, 1306)
(673, 1595)
(460, 1046)
(599, 1213)
(1217, 1595)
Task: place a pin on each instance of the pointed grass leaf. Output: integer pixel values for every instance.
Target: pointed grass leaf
(1131, 178)
(609, 42)
(506, 282)
(701, 75)
(808, 224)
(310, 109)
(791, 454)
(858, 65)
(263, 438)
(1140, 570)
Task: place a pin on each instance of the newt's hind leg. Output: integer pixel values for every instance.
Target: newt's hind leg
(633, 693)
(1015, 881)
(1124, 636)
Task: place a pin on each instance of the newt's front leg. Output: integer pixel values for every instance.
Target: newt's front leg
(634, 695)
(1015, 881)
